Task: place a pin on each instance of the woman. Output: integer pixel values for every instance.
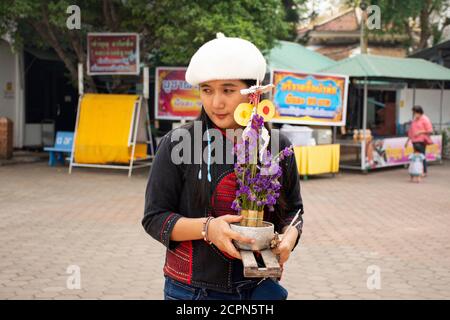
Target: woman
(180, 196)
(419, 134)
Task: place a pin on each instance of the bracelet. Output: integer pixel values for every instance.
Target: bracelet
(205, 229)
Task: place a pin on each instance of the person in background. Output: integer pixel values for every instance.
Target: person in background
(419, 134)
(416, 166)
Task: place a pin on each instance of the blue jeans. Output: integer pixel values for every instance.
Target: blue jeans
(267, 289)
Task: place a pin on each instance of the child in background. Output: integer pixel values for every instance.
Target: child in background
(416, 166)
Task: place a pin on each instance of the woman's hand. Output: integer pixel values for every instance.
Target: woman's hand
(221, 235)
(286, 245)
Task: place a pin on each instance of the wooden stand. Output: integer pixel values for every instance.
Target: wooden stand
(251, 270)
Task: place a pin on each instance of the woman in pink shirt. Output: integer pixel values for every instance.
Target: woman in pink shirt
(419, 133)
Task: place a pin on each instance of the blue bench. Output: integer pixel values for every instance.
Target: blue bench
(63, 145)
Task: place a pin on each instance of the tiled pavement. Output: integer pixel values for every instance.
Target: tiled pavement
(355, 226)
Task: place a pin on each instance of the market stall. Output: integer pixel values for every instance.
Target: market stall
(376, 85)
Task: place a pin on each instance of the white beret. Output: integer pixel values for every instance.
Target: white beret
(226, 59)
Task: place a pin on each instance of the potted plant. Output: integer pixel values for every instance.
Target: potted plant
(257, 171)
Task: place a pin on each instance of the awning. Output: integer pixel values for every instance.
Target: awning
(371, 66)
(293, 56)
(439, 53)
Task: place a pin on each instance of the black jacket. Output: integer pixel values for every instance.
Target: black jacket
(169, 196)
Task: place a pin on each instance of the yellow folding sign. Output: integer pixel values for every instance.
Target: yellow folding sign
(104, 129)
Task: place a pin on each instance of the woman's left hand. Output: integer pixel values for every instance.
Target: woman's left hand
(286, 245)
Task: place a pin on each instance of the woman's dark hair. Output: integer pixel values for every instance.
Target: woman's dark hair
(249, 82)
(202, 187)
(417, 109)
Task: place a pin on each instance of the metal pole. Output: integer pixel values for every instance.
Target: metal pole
(363, 32)
(364, 125)
(146, 93)
(80, 99)
(440, 111)
(80, 80)
(135, 123)
(72, 155)
(146, 84)
(133, 120)
(414, 95)
(334, 135)
(149, 129)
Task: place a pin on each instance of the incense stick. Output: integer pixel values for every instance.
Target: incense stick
(293, 220)
(295, 225)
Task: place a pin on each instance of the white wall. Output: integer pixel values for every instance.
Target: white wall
(7, 74)
(429, 99)
(12, 103)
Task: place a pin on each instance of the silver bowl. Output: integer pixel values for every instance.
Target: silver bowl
(262, 235)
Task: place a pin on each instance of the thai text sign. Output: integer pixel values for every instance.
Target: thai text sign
(113, 53)
(175, 99)
(315, 99)
(391, 151)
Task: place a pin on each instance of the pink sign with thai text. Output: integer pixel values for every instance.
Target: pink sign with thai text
(391, 151)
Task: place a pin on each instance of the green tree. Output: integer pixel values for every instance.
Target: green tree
(430, 17)
(295, 11)
(170, 31)
(180, 27)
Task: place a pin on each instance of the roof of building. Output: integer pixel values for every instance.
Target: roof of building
(372, 66)
(439, 53)
(344, 21)
(293, 56)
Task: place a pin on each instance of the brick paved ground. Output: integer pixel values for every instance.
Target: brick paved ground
(50, 220)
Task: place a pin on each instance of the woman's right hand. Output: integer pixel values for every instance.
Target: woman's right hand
(221, 235)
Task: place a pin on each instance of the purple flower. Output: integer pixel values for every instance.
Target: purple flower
(286, 152)
(275, 185)
(257, 122)
(267, 159)
(271, 200)
(236, 205)
(271, 170)
(243, 190)
(258, 188)
(239, 170)
(246, 150)
(258, 183)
